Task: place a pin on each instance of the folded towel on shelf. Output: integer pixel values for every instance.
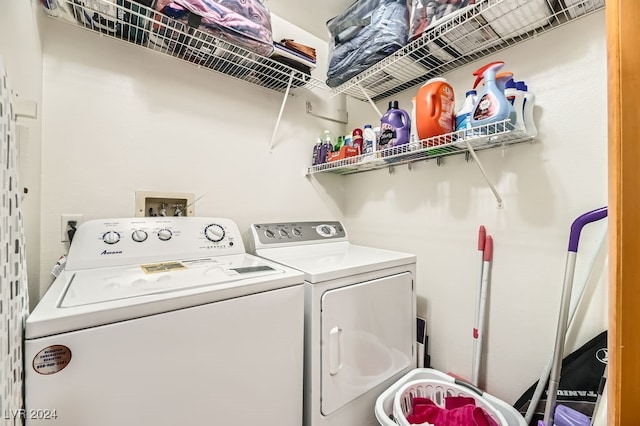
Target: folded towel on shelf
(306, 51)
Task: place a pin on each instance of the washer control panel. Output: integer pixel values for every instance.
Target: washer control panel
(117, 242)
(293, 233)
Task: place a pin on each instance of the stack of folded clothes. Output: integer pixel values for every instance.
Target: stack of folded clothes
(367, 32)
(244, 23)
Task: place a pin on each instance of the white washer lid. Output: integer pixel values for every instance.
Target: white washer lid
(108, 284)
(87, 298)
(323, 262)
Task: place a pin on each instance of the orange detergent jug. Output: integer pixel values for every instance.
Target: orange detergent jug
(435, 105)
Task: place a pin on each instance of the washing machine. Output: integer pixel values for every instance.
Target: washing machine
(166, 321)
(360, 317)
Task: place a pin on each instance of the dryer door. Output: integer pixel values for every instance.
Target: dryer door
(367, 337)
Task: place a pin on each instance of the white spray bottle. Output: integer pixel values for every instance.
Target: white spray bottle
(463, 117)
(413, 133)
(516, 98)
(528, 104)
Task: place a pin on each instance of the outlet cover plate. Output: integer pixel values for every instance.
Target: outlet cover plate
(64, 219)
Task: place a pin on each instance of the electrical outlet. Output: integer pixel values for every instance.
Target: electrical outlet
(64, 224)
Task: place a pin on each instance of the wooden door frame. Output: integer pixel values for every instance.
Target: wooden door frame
(623, 32)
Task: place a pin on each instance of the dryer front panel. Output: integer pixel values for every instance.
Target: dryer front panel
(367, 337)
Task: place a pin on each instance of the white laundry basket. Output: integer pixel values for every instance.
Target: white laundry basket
(437, 391)
(436, 385)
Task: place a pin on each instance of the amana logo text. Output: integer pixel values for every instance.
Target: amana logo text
(111, 252)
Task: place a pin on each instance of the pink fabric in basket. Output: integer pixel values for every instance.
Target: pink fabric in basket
(458, 411)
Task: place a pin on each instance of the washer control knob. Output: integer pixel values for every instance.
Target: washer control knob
(214, 232)
(165, 234)
(269, 233)
(139, 235)
(111, 237)
(283, 232)
(297, 232)
(326, 230)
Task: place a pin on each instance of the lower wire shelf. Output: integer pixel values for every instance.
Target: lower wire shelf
(489, 136)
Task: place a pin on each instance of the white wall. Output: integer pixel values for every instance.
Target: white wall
(118, 119)
(435, 212)
(22, 54)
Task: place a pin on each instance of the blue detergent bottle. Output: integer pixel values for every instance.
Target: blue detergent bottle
(492, 105)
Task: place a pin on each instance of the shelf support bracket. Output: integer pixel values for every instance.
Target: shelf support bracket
(366, 95)
(484, 174)
(310, 111)
(284, 102)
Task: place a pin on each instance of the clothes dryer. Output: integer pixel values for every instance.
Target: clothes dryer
(166, 321)
(360, 317)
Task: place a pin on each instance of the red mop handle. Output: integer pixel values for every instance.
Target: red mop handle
(482, 236)
(488, 249)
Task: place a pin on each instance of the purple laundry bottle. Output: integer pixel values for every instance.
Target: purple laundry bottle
(326, 148)
(395, 127)
(316, 153)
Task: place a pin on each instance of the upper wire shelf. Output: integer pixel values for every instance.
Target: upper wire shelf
(463, 37)
(488, 136)
(130, 21)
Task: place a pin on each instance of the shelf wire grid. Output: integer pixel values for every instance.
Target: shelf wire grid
(465, 36)
(135, 23)
(488, 136)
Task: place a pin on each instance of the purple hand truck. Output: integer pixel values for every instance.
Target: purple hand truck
(561, 332)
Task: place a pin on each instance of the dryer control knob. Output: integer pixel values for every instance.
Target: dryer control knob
(164, 234)
(214, 232)
(297, 232)
(111, 237)
(269, 233)
(283, 233)
(139, 235)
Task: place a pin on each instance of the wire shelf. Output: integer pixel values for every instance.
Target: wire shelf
(129, 21)
(489, 136)
(463, 37)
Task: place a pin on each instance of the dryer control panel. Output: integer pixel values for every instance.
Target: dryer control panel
(129, 241)
(265, 235)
